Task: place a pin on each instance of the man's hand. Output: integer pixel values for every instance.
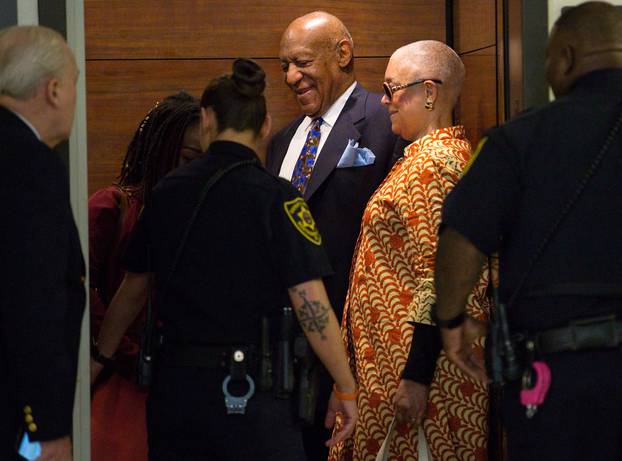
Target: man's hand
(457, 344)
(56, 450)
(349, 414)
(411, 401)
(96, 368)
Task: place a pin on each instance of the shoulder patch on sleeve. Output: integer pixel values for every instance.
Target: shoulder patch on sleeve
(478, 149)
(299, 214)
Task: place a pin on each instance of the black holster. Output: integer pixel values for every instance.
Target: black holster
(307, 373)
(150, 342)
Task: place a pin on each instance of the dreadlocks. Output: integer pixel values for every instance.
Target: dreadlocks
(154, 149)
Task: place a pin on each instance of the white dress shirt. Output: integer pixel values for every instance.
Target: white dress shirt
(300, 137)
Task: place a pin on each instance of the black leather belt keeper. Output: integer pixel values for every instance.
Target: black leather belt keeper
(238, 361)
(593, 333)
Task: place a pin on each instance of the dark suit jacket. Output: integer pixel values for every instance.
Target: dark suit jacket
(41, 289)
(338, 196)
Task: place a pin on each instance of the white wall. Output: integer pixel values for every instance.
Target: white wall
(28, 12)
(78, 193)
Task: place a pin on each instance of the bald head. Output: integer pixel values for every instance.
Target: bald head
(28, 56)
(585, 38)
(318, 61)
(431, 59)
(320, 28)
(592, 26)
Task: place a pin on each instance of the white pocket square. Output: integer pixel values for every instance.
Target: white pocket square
(353, 155)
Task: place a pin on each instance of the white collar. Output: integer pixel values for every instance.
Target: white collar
(332, 114)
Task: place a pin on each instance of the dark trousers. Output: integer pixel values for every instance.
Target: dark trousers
(9, 427)
(315, 436)
(581, 418)
(187, 421)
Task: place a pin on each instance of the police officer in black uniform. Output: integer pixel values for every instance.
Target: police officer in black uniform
(250, 238)
(545, 191)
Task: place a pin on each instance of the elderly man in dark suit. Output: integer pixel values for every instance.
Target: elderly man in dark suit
(41, 279)
(336, 153)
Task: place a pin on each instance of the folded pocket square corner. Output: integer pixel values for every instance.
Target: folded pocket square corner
(353, 155)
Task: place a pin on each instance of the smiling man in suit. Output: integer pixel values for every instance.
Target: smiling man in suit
(336, 153)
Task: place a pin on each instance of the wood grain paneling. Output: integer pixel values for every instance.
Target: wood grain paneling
(474, 25)
(477, 106)
(122, 29)
(121, 92)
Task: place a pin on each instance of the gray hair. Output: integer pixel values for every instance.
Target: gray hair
(28, 56)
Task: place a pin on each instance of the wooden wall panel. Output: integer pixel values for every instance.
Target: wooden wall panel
(252, 28)
(477, 107)
(121, 92)
(474, 25)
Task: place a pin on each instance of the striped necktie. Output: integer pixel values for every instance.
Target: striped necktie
(306, 160)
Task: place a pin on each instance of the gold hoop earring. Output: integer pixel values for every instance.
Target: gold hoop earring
(429, 105)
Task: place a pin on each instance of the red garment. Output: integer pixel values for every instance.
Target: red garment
(118, 426)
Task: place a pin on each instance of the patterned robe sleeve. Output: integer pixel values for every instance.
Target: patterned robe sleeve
(433, 175)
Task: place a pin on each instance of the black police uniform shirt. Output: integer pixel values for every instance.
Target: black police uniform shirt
(523, 174)
(253, 238)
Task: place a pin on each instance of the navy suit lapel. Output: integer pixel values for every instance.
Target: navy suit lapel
(344, 130)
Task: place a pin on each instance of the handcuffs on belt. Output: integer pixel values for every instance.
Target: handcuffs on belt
(582, 334)
(236, 405)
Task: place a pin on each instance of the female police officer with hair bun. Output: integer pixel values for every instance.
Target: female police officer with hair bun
(224, 239)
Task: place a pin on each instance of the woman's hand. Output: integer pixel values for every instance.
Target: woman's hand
(349, 415)
(411, 401)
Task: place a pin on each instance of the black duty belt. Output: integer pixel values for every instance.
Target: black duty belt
(174, 355)
(604, 290)
(593, 333)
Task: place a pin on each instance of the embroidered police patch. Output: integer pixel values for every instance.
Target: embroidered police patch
(299, 214)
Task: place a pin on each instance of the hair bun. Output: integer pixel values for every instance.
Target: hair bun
(249, 78)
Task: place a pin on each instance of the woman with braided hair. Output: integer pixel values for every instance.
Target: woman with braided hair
(167, 137)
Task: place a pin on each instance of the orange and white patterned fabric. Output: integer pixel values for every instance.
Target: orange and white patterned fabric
(392, 283)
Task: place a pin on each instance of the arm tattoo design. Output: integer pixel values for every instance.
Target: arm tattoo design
(312, 315)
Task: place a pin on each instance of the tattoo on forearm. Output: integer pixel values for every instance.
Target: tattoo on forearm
(312, 315)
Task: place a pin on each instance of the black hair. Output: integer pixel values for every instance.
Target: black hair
(154, 150)
(237, 99)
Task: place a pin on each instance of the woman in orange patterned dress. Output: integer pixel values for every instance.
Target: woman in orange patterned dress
(391, 284)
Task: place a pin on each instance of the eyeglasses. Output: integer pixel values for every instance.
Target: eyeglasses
(389, 90)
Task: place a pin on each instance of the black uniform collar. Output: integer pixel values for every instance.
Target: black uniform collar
(231, 148)
(600, 81)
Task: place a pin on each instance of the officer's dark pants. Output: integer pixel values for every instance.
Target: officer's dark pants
(187, 421)
(315, 436)
(581, 418)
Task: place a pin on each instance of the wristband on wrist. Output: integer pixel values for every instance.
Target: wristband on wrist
(100, 358)
(451, 323)
(351, 396)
